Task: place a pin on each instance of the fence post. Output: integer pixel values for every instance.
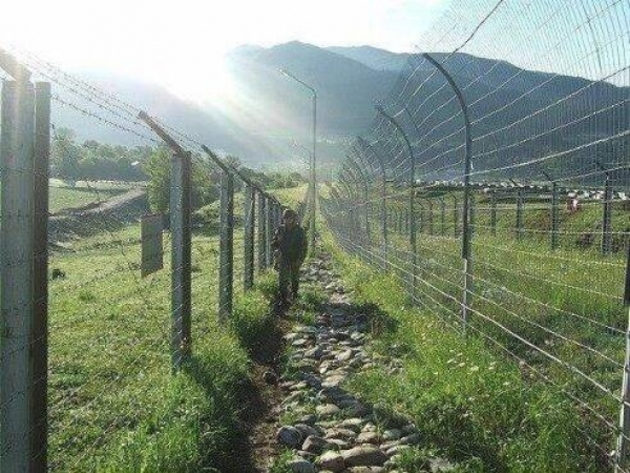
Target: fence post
(40, 329)
(607, 216)
(622, 452)
(442, 216)
(250, 222)
(270, 229)
(226, 246)
(262, 232)
(493, 212)
(455, 218)
(554, 215)
(473, 214)
(180, 258)
(430, 219)
(467, 235)
(179, 209)
(17, 248)
(519, 214)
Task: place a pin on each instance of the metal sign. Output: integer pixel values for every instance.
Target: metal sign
(152, 248)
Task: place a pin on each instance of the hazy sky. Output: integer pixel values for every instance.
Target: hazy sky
(180, 43)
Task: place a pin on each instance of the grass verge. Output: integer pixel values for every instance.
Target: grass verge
(469, 404)
(114, 403)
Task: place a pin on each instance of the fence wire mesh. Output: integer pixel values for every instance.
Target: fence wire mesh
(494, 184)
(111, 333)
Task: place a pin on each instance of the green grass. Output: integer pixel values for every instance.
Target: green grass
(63, 196)
(114, 404)
(469, 403)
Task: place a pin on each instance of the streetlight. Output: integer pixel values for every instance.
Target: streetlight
(313, 175)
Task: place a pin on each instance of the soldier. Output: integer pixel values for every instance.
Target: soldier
(290, 247)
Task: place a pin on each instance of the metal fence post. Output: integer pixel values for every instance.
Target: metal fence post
(455, 218)
(472, 214)
(180, 258)
(442, 217)
(493, 212)
(226, 246)
(430, 219)
(467, 234)
(607, 217)
(554, 215)
(17, 246)
(40, 326)
(250, 210)
(519, 214)
(262, 232)
(623, 446)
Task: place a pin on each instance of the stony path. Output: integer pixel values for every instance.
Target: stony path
(329, 429)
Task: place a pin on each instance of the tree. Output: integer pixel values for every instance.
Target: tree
(158, 168)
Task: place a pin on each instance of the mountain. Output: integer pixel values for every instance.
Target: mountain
(523, 112)
(346, 89)
(208, 126)
(374, 58)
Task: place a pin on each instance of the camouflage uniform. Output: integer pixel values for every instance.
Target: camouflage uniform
(290, 246)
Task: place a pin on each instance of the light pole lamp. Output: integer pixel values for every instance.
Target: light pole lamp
(313, 174)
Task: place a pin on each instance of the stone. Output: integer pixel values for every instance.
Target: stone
(354, 424)
(392, 434)
(339, 444)
(315, 353)
(338, 433)
(299, 386)
(327, 410)
(306, 430)
(369, 437)
(396, 449)
(302, 466)
(300, 342)
(345, 356)
(289, 436)
(409, 429)
(387, 445)
(365, 455)
(332, 461)
(366, 469)
(439, 465)
(333, 380)
(314, 444)
(309, 419)
(412, 439)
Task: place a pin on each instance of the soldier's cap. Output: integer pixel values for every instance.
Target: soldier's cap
(289, 213)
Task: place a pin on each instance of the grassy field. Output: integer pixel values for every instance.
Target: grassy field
(470, 403)
(63, 196)
(533, 386)
(114, 404)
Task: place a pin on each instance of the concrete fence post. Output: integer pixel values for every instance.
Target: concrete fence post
(262, 232)
(226, 247)
(17, 249)
(180, 259)
(248, 250)
(41, 173)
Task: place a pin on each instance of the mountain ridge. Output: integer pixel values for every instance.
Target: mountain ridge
(270, 112)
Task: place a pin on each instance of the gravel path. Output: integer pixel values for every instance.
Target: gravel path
(328, 428)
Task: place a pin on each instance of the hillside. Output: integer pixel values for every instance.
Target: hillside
(268, 112)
